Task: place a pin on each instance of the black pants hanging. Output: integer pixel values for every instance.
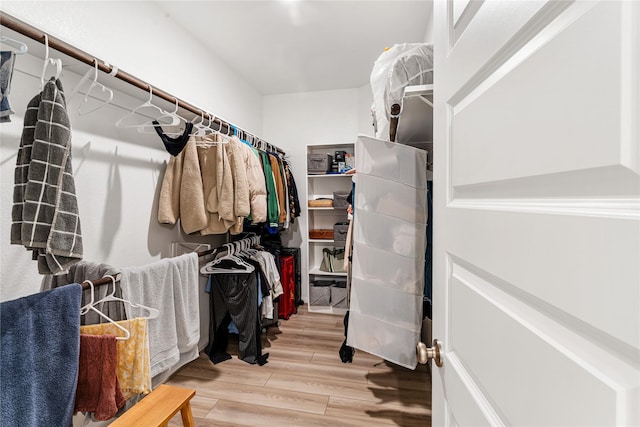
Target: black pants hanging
(234, 296)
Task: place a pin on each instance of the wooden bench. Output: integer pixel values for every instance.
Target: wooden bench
(158, 407)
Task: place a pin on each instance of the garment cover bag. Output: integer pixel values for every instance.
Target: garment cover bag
(389, 244)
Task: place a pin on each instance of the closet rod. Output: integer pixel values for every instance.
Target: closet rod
(34, 33)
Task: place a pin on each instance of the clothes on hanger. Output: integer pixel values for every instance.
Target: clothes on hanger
(217, 181)
(277, 175)
(133, 367)
(428, 258)
(257, 185)
(181, 195)
(273, 207)
(294, 202)
(174, 145)
(241, 202)
(171, 286)
(46, 222)
(239, 298)
(98, 388)
(233, 297)
(7, 60)
(33, 367)
(78, 273)
(212, 188)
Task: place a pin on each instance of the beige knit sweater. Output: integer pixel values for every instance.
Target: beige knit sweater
(181, 194)
(257, 185)
(206, 187)
(241, 203)
(218, 186)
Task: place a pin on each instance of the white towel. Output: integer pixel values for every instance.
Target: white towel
(171, 286)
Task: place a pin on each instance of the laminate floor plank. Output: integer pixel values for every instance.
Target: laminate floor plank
(304, 383)
(338, 373)
(245, 415)
(258, 396)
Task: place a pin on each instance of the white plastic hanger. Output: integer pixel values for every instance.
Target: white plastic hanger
(49, 61)
(95, 85)
(22, 48)
(204, 130)
(164, 118)
(150, 127)
(153, 312)
(199, 127)
(214, 267)
(90, 307)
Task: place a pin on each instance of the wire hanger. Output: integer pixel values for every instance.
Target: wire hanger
(103, 89)
(153, 312)
(49, 61)
(90, 307)
(22, 48)
(165, 119)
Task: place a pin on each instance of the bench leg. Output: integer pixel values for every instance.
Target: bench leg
(187, 416)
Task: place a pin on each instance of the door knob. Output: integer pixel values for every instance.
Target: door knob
(425, 353)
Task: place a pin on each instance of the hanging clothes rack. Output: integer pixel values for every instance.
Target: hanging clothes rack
(38, 35)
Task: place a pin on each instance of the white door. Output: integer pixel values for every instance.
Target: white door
(536, 262)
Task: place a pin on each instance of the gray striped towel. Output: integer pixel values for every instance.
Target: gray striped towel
(45, 215)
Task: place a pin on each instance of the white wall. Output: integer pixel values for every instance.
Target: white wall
(117, 171)
(140, 39)
(299, 119)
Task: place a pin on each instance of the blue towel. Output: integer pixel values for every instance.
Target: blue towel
(39, 354)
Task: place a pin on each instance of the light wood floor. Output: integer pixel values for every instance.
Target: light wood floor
(305, 383)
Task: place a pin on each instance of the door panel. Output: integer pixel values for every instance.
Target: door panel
(537, 350)
(475, 53)
(553, 119)
(548, 261)
(537, 240)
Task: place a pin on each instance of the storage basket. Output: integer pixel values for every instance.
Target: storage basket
(340, 199)
(340, 230)
(318, 164)
(322, 233)
(321, 203)
(339, 294)
(320, 292)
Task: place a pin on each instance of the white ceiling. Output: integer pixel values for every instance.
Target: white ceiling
(298, 46)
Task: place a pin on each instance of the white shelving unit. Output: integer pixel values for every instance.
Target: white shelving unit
(323, 186)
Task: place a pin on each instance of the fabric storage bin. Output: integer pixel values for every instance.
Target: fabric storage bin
(394, 342)
(339, 294)
(373, 267)
(390, 198)
(340, 199)
(396, 308)
(318, 163)
(340, 231)
(394, 235)
(407, 165)
(320, 292)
